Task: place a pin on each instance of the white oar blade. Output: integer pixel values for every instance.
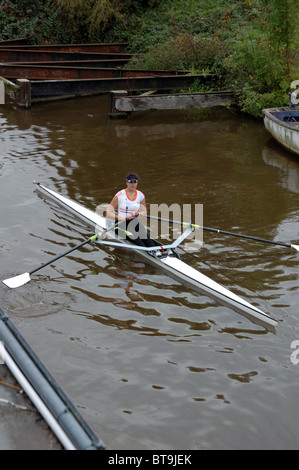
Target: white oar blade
(296, 247)
(17, 281)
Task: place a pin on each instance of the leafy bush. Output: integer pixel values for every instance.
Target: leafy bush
(34, 20)
(256, 73)
(184, 52)
(253, 102)
(94, 20)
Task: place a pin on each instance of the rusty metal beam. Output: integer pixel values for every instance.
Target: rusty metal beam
(77, 63)
(29, 55)
(13, 42)
(101, 47)
(37, 72)
(55, 89)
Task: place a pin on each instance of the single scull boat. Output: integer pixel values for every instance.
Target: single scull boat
(170, 262)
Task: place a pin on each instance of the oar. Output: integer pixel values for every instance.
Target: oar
(22, 279)
(223, 232)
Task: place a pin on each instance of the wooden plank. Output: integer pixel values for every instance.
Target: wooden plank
(172, 101)
(2, 92)
(24, 97)
(113, 96)
(7, 88)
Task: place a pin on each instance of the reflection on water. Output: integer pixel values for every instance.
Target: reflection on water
(274, 155)
(149, 362)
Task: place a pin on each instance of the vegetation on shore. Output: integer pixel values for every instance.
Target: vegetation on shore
(251, 44)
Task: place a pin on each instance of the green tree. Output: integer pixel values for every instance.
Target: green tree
(283, 27)
(92, 20)
(32, 19)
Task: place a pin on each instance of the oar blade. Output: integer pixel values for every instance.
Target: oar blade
(17, 281)
(296, 247)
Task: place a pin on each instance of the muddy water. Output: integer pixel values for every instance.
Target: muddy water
(150, 363)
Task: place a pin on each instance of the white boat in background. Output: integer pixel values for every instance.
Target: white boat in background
(283, 125)
(170, 262)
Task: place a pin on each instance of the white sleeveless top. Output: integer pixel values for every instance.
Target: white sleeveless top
(127, 205)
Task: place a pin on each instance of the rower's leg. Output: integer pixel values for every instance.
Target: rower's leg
(140, 234)
(140, 237)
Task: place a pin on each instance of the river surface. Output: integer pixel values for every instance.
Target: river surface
(150, 363)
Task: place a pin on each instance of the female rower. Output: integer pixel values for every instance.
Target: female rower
(126, 206)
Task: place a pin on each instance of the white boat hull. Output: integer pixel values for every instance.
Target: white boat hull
(285, 132)
(171, 264)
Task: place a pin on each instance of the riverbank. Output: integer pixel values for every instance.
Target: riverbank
(21, 425)
(251, 45)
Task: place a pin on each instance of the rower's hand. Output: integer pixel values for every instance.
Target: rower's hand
(133, 215)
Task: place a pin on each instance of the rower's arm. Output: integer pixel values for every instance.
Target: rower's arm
(111, 211)
(142, 209)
